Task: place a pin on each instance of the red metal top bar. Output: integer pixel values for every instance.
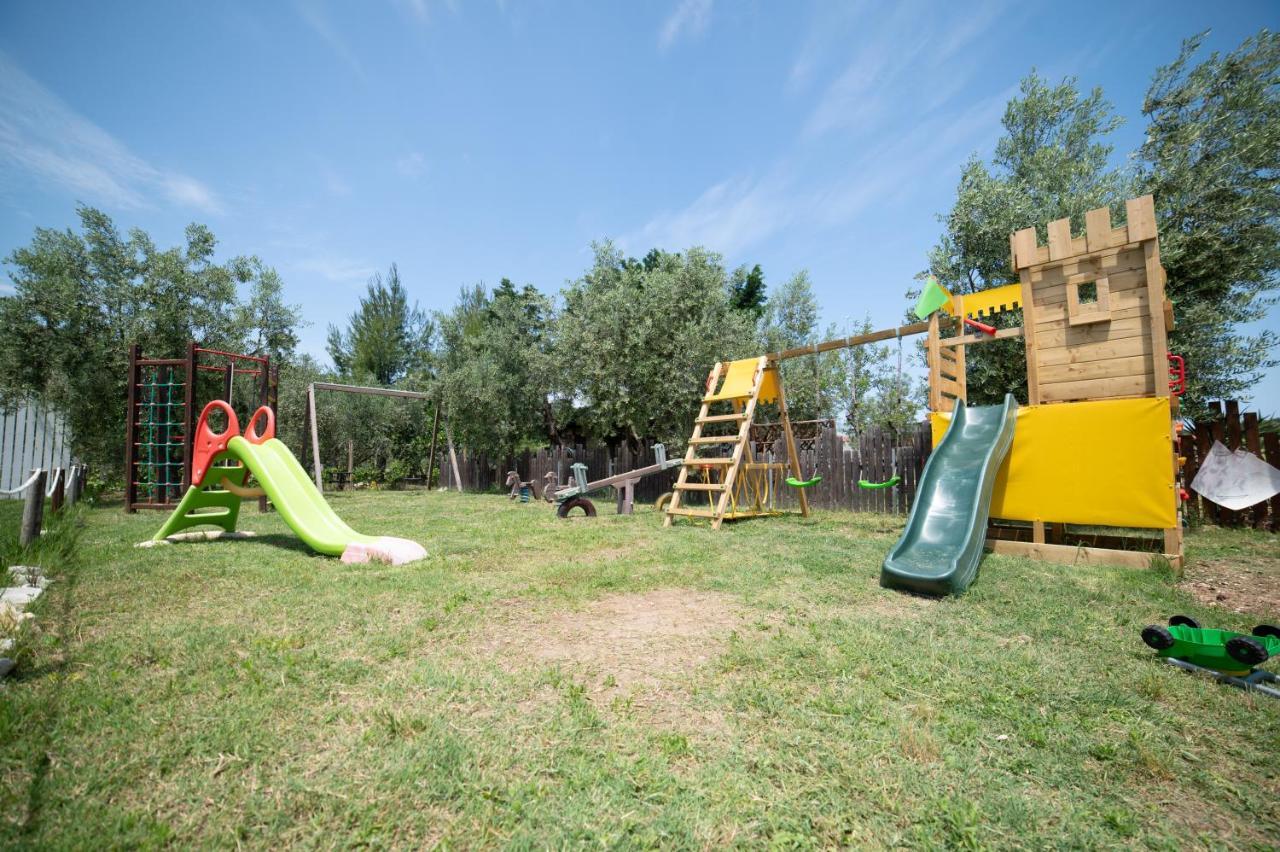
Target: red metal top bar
(212, 368)
(235, 355)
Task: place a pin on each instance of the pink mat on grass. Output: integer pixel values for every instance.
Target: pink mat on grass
(396, 551)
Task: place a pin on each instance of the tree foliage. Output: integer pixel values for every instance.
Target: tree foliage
(494, 367)
(386, 338)
(1052, 162)
(635, 341)
(82, 298)
(1212, 161)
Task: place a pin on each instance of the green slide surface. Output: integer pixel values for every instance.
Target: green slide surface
(939, 551)
(295, 496)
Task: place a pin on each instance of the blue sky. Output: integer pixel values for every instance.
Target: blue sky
(467, 141)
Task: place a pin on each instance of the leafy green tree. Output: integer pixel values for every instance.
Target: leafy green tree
(271, 324)
(1212, 160)
(635, 341)
(81, 299)
(747, 290)
(494, 366)
(386, 338)
(814, 384)
(1052, 162)
(862, 367)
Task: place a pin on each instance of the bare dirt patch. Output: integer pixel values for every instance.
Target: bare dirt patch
(639, 647)
(1249, 585)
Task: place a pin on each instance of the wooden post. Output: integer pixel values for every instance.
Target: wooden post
(59, 489)
(1271, 442)
(453, 456)
(315, 436)
(431, 457)
(76, 485)
(935, 364)
(131, 433)
(32, 510)
(351, 462)
(189, 417)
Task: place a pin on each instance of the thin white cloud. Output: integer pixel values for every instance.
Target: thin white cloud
(333, 182)
(737, 214)
(688, 20)
(314, 15)
(903, 54)
(412, 165)
(41, 136)
(421, 9)
(336, 270)
(728, 217)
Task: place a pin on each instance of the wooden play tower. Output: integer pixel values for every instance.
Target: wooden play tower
(1094, 444)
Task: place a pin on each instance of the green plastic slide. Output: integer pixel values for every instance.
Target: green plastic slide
(212, 499)
(939, 551)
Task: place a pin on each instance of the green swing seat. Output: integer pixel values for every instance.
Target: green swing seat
(888, 483)
(803, 483)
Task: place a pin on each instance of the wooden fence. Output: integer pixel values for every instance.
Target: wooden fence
(876, 456)
(1236, 431)
(31, 436)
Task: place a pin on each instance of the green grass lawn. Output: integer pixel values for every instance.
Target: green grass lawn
(545, 683)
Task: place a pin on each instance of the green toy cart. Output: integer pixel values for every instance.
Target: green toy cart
(1228, 656)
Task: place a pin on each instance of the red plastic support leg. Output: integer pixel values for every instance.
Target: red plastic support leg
(208, 443)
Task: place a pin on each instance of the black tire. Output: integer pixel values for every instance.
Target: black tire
(661, 503)
(1267, 630)
(1246, 650)
(1157, 637)
(1183, 621)
(588, 508)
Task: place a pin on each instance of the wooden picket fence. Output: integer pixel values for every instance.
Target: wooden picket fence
(876, 456)
(1236, 431)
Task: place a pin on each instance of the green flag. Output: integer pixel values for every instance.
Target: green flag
(933, 297)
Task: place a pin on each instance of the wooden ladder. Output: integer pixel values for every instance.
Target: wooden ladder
(743, 415)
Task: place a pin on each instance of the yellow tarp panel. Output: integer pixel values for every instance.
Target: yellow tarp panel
(987, 303)
(739, 379)
(1106, 462)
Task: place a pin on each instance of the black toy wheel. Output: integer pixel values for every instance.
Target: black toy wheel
(1183, 621)
(1157, 637)
(1247, 650)
(588, 508)
(1267, 630)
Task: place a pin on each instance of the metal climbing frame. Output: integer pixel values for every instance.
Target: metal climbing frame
(165, 396)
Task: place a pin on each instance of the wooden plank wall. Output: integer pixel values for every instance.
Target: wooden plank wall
(1236, 431)
(1114, 349)
(875, 458)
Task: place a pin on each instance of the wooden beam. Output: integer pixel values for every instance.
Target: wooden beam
(855, 340)
(435, 430)
(453, 456)
(967, 339)
(32, 510)
(315, 436)
(131, 431)
(404, 394)
(935, 365)
(1068, 555)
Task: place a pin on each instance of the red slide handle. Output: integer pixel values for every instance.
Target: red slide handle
(980, 326)
(251, 433)
(209, 443)
(1177, 375)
